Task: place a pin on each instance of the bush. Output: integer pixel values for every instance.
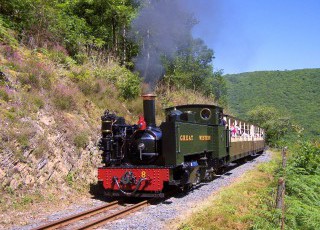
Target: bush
(39, 151)
(4, 95)
(64, 102)
(6, 35)
(60, 56)
(29, 79)
(129, 86)
(276, 124)
(306, 159)
(81, 58)
(38, 102)
(63, 97)
(81, 140)
(87, 87)
(36, 74)
(70, 178)
(303, 188)
(24, 134)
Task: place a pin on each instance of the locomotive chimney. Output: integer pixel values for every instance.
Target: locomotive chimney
(149, 109)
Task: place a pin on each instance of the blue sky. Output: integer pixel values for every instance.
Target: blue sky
(252, 35)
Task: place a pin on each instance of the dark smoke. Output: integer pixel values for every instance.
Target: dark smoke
(161, 27)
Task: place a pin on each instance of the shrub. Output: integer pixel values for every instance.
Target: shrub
(81, 74)
(84, 81)
(307, 159)
(59, 55)
(64, 102)
(10, 114)
(81, 139)
(81, 58)
(4, 95)
(38, 102)
(303, 187)
(36, 74)
(63, 97)
(41, 147)
(13, 56)
(70, 178)
(129, 86)
(111, 73)
(102, 73)
(6, 36)
(86, 87)
(24, 134)
(29, 79)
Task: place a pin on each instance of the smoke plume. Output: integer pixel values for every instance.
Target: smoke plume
(160, 28)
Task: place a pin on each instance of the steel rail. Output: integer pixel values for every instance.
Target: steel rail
(73, 218)
(101, 221)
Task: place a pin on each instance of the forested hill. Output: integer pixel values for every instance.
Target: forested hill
(295, 92)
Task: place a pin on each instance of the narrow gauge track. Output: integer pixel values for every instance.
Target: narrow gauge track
(67, 222)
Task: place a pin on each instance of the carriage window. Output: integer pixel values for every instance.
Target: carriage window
(205, 114)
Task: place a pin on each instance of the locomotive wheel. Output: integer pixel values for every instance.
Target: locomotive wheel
(210, 174)
(186, 188)
(198, 180)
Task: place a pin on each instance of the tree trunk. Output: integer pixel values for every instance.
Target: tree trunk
(124, 51)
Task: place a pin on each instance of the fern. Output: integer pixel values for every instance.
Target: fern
(303, 188)
(5, 34)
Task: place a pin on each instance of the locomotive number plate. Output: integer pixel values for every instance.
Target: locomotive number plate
(143, 174)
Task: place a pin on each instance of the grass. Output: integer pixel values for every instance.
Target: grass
(20, 201)
(4, 95)
(242, 205)
(42, 147)
(70, 178)
(81, 140)
(64, 97)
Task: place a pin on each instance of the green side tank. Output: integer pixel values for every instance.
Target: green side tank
(193, 132)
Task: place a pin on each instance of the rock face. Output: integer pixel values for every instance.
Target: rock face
(47, 147)
(53, 168)
(58, 163)
(50, 119)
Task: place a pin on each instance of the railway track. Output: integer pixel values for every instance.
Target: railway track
(93, 218)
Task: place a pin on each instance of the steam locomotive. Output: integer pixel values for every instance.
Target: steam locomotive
(145, 160)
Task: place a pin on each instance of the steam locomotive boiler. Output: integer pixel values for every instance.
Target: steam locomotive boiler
(144, 160)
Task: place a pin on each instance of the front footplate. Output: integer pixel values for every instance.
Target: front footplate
(132, 181)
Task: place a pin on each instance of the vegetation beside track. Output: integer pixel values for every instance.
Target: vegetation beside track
(236, 206)
(302, 200)
(250, 202)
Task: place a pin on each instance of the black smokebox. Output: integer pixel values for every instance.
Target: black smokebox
(149, 109)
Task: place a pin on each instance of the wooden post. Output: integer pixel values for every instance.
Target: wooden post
(281, 188)
(280, 192)
(284, 159)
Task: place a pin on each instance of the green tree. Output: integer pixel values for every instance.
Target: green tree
(192, 68)
(82, 26)
(276, 125)
(109, 22)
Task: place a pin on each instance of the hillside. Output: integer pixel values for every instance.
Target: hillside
(294, 92)
(50, 110)
(61, 65)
